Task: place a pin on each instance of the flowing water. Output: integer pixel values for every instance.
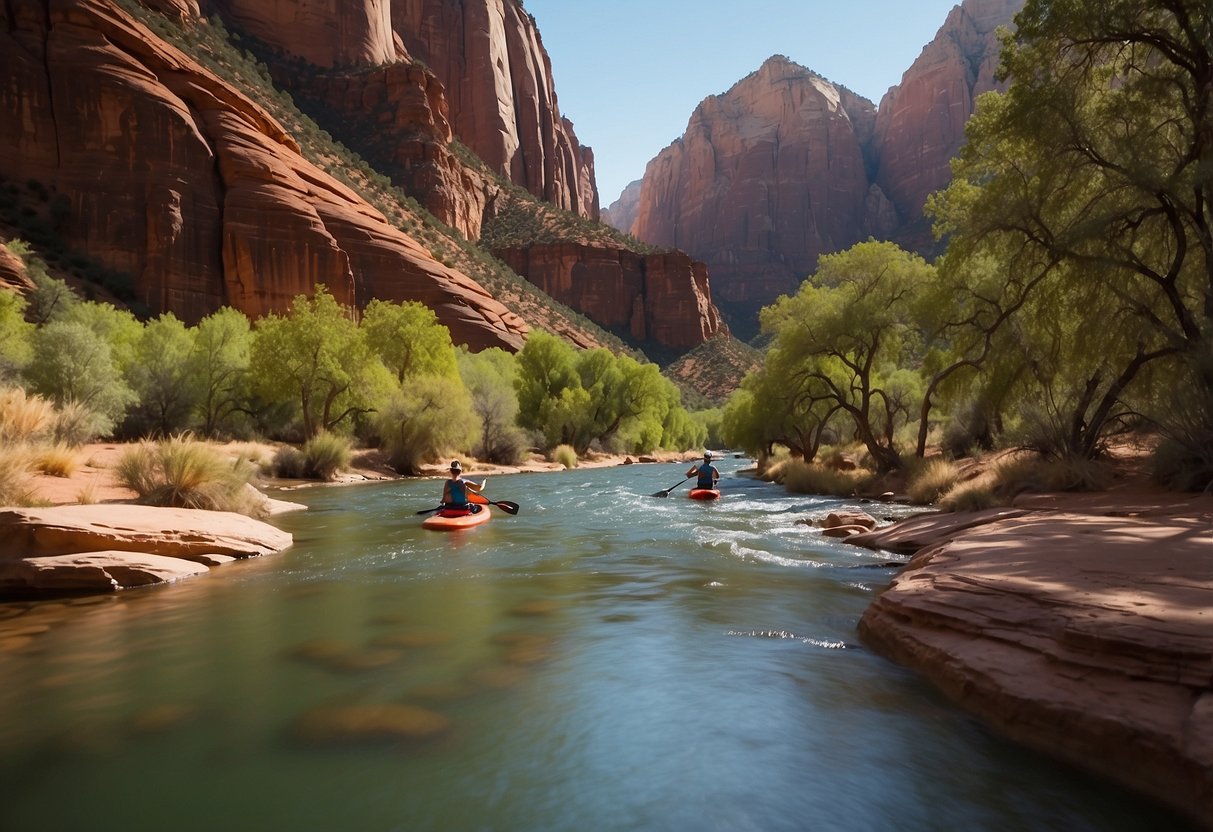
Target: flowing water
(602, 661)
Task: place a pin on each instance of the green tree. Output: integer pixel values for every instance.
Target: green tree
(72, 363)
(219, 367)
(426, 417)
(319, 358)
(409, 340)
(848, 336)
(489, 377)
(549, 389)
(161, 378)
(1093, 168)
(16, 336)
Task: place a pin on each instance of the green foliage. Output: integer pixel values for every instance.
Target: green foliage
(408, 339)
(16, 337)
(1090, 177)
(489, 377)
(164, 383)
(427, 417)
(326, 455)
(218, 367)
(72, 363)
(319, 358)
(842, 345)
(187, 474)
(565, 455)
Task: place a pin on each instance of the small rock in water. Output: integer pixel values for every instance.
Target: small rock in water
(388, 723)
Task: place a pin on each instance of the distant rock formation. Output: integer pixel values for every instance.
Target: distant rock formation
(663, 298)
(920, 124)
(787, 166)
(621, 213)
(177, 178)
(767, 177)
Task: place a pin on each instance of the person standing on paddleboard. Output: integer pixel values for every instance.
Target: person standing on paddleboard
(707, 473)
(455, 490)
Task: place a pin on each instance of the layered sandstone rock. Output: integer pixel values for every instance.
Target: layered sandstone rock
(93, 572)
(1088, 638)
(663, 298)
(326, 34)
(178, 179)
(170, 532)
(920, 124)
(621, 213)
(767, 177)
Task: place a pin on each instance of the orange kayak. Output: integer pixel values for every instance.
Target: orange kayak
(452, 521)
(704, 494)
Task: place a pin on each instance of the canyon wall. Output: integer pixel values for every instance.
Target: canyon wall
(786, 166)
(176, 178)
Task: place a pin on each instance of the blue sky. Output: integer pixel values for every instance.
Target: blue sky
(629, 73)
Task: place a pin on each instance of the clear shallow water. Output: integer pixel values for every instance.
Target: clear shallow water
(606, 661)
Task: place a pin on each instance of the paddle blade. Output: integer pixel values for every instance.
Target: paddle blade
(507, 506)
(665, 493)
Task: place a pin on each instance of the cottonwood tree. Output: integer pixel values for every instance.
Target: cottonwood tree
(318, 357)
(489, 378)
(408, 339)
(1095, 167)
(162, 378)
(219, 366)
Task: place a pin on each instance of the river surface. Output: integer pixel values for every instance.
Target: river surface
(604, 660)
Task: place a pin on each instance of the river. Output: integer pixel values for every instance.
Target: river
(604, 660)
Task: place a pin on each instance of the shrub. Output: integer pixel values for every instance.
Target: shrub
(290, 463)
(565, 455)
(181, 472)
(1183, 465)
(932, 480)
(16, 484)
(23, 418)
(325, 456)
(57, 460)
(800, 477)
(74, 424)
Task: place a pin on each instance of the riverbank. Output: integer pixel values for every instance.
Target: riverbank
(93, 479)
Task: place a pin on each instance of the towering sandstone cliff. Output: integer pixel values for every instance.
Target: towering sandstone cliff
(176, 178)
(786, 166)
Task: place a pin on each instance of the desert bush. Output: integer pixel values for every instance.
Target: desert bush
(23, 417)
(16, 476)
(1017, 474)
(1183, 465)
(565, 455)
(972, 495)
(290, 463)
(931, 480)
(800, 477)
(57, 460)
(326, 455)
(181, 472)
(74, 424)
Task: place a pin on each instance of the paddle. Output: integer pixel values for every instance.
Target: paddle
(667, 491)
(504, 505)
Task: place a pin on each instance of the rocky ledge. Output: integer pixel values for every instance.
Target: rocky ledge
(1089, 638)
(102, 548)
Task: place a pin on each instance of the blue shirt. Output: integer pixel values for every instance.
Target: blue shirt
(707, 476)
(458, 491)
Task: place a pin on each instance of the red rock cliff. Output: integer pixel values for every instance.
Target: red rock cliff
(179, 180)
(767, 177)
(920, 124)
(662, 298)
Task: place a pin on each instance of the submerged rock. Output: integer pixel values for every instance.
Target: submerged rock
(386, 723)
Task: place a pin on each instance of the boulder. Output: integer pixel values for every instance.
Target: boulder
(836, 519)
(1088, 638)
(93, 572)
(171, 532)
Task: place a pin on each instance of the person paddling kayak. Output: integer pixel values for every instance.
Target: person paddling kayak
(706, 472)
(455, 490)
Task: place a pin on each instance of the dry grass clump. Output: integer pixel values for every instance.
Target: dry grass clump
(58, 460)
(1016, 474)
(565, 455)
(16, 477)
(800, 477)
(932, 479)
(23, 418)
(326, 455)
(184, 473)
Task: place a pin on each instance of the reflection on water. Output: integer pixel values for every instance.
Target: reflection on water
(604, 660)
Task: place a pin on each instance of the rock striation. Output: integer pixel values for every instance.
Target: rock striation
(1087, 638)
(660, 298)
(178, 179)
(101, 548)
